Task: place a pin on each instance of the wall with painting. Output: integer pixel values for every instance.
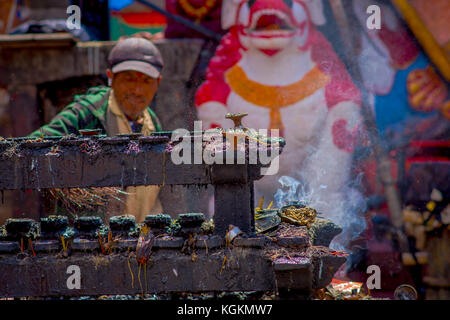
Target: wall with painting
(286, 63)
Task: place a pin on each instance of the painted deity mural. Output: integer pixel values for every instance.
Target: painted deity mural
(274, 64)
(280, 62)
(406, 90)
(203, 12)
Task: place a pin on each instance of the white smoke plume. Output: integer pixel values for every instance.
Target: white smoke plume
(344, 208)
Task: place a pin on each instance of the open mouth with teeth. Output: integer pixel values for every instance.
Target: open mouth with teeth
(270, 23)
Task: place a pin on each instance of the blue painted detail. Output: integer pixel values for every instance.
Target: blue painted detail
(119, 4)
(393, 110)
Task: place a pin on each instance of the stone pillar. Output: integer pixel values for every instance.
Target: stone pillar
(23, 111)
(233, 205)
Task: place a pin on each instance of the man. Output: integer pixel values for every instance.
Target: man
(134, 74)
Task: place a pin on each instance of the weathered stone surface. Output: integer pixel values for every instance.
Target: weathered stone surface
(83, 58)
(238, 212)
(126, 244)
(9, 246)
(84, 245)
(54, 224)
(111, 166)
(191, 220)
(322, 231)
(160, 221)
(293, 241)
(254, 242)
(96, 163)
(209, 242)
(21, 229)
(169, 243)
(167, 271)
(325, 263)
(46, 245)
(293, 274)
(293, 278)
(24, 107)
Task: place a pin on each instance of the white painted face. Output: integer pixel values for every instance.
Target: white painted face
(272, 25)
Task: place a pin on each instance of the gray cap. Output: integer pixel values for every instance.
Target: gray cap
(136, 54)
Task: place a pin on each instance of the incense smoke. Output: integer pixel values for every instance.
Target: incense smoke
(343, 208)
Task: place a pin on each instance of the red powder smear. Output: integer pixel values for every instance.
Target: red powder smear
(339, 253)
(343, 138)
(292, 260)
(227, 55)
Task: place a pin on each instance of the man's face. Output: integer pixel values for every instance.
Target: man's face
(134, 91)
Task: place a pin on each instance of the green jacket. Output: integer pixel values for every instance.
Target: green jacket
(86, 112)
